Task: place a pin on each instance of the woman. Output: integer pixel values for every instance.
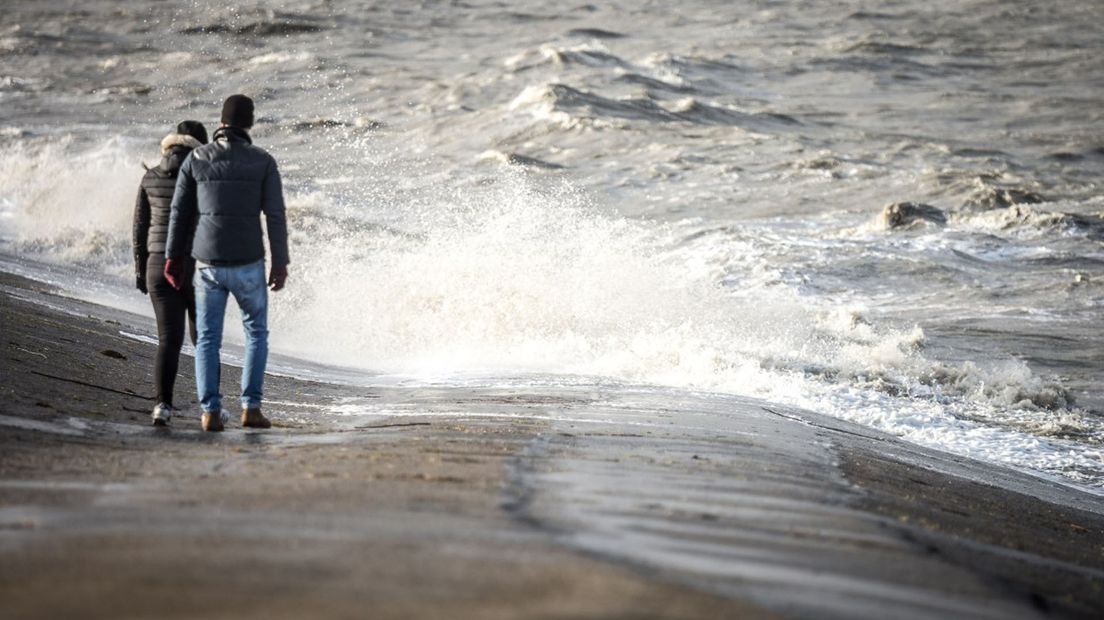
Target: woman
(151, 225)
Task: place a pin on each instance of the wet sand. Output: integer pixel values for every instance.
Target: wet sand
(503, 513)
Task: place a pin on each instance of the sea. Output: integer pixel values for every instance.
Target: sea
(888, 212)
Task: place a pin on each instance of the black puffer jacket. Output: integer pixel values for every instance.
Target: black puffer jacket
(222, 190)
(153, 206)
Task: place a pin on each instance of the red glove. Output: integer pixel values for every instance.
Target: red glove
(174, 272)
(277, 276)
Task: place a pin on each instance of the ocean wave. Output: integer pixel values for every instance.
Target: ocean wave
(896, 66)
(589, 55)
(258, 28)
(122, 89)
(1024, 223)
(879, 47)
(594, 33)
(517, 159)
(569, 106)
(691, 66)
(1007, 384)
(180, 58)
(510, 275)
(1034, 221)
(281, 58)
(354, 126)
(910, 215)
(15, 84)
(655, 84)
(67, 205)
(876, 15)
(15, 133)
(989, 188)
(70, 40)
(988, 196)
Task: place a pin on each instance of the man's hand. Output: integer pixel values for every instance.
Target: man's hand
(174, 272)
(277, 276)
(140, 283)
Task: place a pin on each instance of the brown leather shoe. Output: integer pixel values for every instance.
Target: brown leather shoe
(253, 419)
(212, 421)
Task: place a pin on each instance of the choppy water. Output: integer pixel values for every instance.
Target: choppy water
(683, 194)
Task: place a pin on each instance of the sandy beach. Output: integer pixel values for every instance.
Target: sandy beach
(105, 516)
(523, 508)
(619, 310)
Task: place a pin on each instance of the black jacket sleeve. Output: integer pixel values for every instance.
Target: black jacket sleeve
(272, 204)
(141, 231)
(183, 213)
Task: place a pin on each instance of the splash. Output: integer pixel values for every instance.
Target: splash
(62, 204)
(517, 273)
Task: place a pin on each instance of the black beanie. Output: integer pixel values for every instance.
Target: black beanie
(194, 129)
(237, 111)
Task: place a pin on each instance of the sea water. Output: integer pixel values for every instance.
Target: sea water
(684, 196)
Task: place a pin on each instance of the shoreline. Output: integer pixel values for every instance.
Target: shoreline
(104, 516)
(572, 514)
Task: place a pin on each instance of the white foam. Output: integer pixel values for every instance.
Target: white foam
(71, 205)
(281, 57)
(513, 276)
(538, 101)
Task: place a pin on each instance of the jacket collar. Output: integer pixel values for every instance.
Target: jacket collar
(174, 148)
(178, 139)
(232, 134)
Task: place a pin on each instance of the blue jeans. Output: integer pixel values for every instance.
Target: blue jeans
(213, 285)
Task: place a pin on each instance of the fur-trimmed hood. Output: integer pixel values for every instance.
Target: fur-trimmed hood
(178, 139)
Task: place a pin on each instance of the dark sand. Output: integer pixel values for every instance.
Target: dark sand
(102, 515)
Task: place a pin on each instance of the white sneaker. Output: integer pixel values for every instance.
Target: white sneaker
(162, 413)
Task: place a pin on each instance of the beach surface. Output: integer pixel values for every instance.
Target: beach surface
(491, 502)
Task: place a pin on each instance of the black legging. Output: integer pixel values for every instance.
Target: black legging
(170, 306)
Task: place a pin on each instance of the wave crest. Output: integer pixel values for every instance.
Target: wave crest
(62, 204)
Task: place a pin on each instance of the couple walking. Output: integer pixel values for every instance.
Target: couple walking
(197, 241)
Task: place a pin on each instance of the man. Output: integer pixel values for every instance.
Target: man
(221, 192)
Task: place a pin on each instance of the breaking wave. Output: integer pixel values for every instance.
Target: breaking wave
(572, 107)
(62, 203)
(522, 274)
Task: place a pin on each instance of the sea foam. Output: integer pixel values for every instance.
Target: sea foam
(68, 204)
(516, 273)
